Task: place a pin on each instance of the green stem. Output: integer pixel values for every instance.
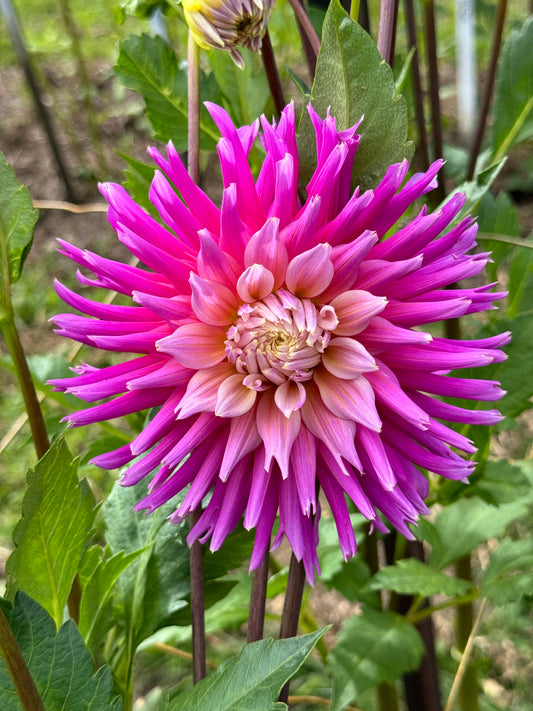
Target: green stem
(18, 669)
(414, 615)
(457, 682)
(511, 136)
(31, 401)
(309, 624)
(464, 621)
(354, 10)
(387, 697)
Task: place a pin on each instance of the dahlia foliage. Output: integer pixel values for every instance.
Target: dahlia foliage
(280, 341)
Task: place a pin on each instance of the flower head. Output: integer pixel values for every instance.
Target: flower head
(280, 340)
(226, 24)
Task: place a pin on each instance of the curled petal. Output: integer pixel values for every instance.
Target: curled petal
(255, 283)
(349, 399)
(234, 398)
(354, 310)
(213, 303)
(347, 358)
(289, 396)
(202, 390)
(310, 273)
(195, 345)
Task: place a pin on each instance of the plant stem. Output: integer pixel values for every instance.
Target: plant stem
(193, 116)
(387, 697)
(310, 39)
(433, 69)
(463, 665)
(387, 30)
(272, 75)
(417, 84)
(291, 608)
(489, 86)
(31, 402)
(256, 619)
(18, 669)
(197, 604)
(196, 559)
(354, 10)
(463, 630)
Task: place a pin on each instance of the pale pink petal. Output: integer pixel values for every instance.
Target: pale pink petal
(234, 398)
(289, 396)
(201, 393)
(255, 283)
(303, 468)
(243, 438)
(347, 359)
(310, 273)
(349, 399)
(354, 310)
(277, 431)
(337, 434)
(195, 345)
(212, 302)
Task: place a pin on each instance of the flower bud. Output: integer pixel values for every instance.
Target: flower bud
(226, 24)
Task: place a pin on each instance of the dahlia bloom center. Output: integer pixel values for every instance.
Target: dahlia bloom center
(278, 338)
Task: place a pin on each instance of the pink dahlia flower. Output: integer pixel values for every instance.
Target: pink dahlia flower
(280, 341)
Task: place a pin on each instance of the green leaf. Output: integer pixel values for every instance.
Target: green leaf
(509, 572)
(502, 482)
(520, 283)
(513, 100)
(58, 661)
(498, 216)
(98, 576)
(57, 517)
(516, 374)
(245, 91)
(155, 585)
(352, 79)
(348, 577)
(17, 221)
(251, 681)
(149, 66)
(463, 525)
(372, 647)
(410, 576)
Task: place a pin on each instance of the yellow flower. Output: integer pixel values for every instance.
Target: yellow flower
(226, 24)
